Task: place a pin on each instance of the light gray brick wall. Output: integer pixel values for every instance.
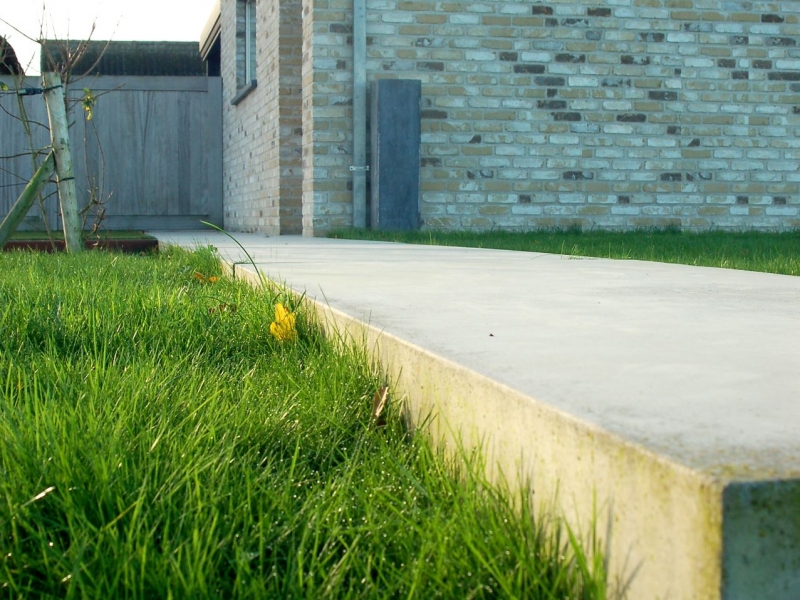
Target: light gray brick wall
(609, 113)
(262, 132)
(327, 115)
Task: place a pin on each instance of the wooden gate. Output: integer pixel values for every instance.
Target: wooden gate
(152, 152)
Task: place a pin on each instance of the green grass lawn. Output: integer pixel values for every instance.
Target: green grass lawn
(750, 251)
(157, 442)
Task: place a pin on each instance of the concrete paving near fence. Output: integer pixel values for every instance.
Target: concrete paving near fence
(662, 401)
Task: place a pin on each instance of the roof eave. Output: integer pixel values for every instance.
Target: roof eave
(210, 33)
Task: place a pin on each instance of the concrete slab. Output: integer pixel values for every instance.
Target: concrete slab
(663, 398)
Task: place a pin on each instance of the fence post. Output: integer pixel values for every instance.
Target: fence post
(59, 134)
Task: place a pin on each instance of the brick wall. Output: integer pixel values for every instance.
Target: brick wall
(262, 131)
(291, 116)
(327, 115)
(606, 113)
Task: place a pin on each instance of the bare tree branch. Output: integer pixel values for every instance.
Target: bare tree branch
(21, 154)
(18, 118)
(19, 31)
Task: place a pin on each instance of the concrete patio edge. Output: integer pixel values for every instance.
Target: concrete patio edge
(667, 530)
(596, 480)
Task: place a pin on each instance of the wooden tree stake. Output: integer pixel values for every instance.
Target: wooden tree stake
(25, 201)
(59, 134)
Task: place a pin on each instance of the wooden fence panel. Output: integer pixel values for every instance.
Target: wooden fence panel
(153, 150)
(16, 164)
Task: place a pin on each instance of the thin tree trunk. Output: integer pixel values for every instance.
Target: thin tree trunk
(59, 134)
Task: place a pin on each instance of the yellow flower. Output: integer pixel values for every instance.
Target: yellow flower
(282, 328)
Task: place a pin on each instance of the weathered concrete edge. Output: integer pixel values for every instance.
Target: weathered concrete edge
(660, 523)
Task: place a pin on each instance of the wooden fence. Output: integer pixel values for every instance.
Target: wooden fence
(152, 151)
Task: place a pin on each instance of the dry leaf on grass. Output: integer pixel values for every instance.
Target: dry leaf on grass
(379, 402)
(203, 279)
(222, 308)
